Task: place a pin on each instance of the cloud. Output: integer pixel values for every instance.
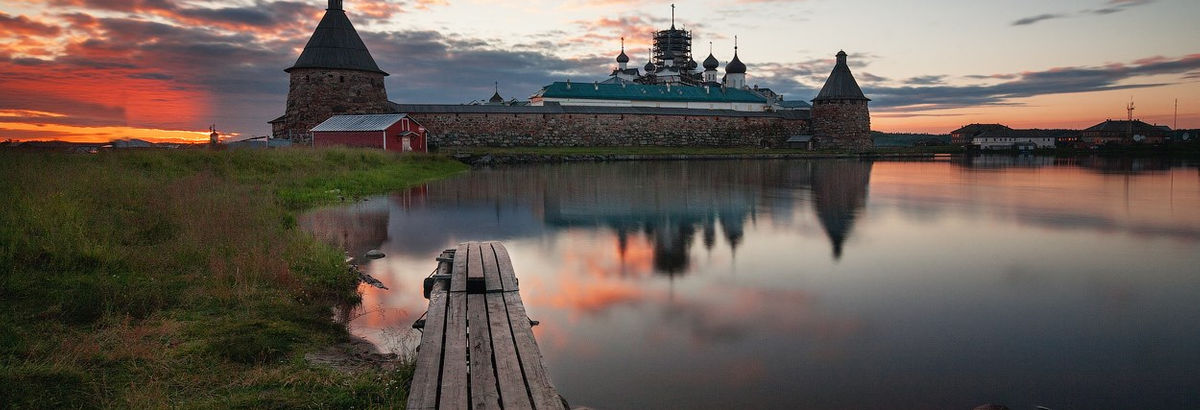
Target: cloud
(925, 80)
(25, 26)
(1064, 80)
(1113, 6)
(424, 57)
(1040, 17)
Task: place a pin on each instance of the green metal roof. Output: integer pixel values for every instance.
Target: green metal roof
(642, 92)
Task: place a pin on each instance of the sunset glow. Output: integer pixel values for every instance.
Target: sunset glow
(85, 70)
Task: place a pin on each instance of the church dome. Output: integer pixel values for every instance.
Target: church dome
(735, 66)
(711, 63)
(649, 67)
(622, 58)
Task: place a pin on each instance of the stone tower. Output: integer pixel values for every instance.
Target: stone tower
(840, 118)
(335, 74)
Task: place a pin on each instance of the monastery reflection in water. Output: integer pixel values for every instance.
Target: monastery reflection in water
(673, 204)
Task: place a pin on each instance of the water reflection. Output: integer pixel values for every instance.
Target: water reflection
(666, 202)
(824, 284)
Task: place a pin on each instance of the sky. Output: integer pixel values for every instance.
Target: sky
(165, 70)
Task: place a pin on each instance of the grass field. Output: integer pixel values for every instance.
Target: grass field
(179, 278)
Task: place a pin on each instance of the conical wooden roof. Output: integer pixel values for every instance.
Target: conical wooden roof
(841, 84)
(335, 44)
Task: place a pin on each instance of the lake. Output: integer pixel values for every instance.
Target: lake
(839, 283)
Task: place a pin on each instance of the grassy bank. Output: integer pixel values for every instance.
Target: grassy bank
(179, 278)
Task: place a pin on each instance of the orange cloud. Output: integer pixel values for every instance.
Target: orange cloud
(24, 131)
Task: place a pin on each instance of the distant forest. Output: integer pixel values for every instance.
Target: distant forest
(887, 139)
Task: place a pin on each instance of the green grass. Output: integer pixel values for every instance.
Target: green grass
(179, 278)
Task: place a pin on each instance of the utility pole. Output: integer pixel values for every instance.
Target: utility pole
(1175, 124)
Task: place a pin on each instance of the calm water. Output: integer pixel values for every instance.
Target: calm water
(1069, 284)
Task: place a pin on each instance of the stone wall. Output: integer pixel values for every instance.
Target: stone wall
(577, 130)
(316, 94)
(842, 124)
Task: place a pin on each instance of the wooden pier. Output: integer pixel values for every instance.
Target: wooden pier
(477, 347)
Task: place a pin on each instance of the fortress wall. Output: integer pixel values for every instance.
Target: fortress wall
(577, 130)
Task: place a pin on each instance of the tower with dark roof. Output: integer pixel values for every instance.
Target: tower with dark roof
(335, 74)
(710, 66)
(840, 117)
(496, 98)
(735, 71)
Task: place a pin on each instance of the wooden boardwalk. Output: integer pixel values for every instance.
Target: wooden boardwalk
(477, 347)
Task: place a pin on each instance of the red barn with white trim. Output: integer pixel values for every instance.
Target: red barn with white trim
(390, 132)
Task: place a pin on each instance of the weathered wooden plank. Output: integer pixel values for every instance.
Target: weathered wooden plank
(540, 389)
(423, 393)
(508, 279)
(454, 369)
(474, 262)
(479, 252)
(491, 271)
(484, 394)
(508, 366)
(458, 275)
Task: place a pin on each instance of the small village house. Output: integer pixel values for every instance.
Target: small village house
(1124, 132)
(390, 132)
(962, 136)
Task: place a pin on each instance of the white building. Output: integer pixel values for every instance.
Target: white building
(1022, 140)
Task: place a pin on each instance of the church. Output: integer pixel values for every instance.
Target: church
(672, 101)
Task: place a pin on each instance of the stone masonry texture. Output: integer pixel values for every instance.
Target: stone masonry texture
(316, 94)
(842, 124)
(581, 130)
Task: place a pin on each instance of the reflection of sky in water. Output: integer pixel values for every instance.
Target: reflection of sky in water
(824, 284)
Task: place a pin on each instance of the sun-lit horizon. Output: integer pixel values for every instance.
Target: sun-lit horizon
(92, 71)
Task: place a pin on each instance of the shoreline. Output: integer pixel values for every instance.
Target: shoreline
(169, 278)
(489, 159)
(481, 159)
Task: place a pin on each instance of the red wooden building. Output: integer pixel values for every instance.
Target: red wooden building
(391, 132)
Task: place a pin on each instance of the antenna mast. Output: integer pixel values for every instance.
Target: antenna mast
(1129, 111)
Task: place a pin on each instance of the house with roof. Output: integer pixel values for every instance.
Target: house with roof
(1010, 139)
(963, 135)
(1124, 132)
(389, 132)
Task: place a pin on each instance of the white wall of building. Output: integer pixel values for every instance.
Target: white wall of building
(1002, 143)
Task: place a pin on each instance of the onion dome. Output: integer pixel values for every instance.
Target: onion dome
(735, 66)
(622, 58)
(649, 67)
(841, 84)
(711, 63)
